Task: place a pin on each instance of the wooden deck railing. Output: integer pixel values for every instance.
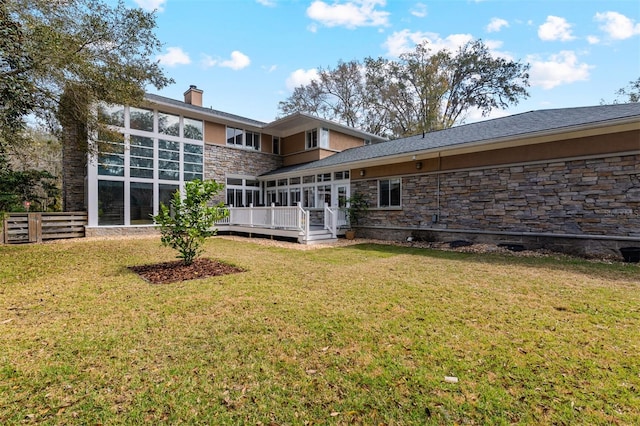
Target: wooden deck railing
(38, 227)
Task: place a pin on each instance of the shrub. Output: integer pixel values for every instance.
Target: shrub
(190, 219)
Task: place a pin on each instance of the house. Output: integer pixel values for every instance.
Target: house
(565, 179)
(156, 147)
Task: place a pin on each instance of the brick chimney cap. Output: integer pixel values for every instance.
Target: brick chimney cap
(194, 88)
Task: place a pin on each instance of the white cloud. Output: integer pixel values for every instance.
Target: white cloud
(174, 56)
(350, 14)
(301, 77)
(405, 41)
(270, 69)
(419, 10)
(268, 3)
(238, 61)
(617, 26)
(555, 28)
(561, 68)
(207, 61)
(151, 5)
(593, 39)
(496, 25)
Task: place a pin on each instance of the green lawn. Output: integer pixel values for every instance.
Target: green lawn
(355, 335)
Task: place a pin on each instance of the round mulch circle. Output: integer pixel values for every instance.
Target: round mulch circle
(171, 272)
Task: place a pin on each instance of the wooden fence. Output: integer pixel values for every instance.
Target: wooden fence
(38, 227)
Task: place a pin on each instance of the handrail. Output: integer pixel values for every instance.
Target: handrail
(285, 217)
(330, 220)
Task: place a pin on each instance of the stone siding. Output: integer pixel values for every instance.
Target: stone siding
(579, 198)
(74, 169)
(220, 160)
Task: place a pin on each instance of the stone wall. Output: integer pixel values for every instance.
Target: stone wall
(74, 166)
(220, 160)
(574, 198)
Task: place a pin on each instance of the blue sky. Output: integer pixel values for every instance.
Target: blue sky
(247, 55)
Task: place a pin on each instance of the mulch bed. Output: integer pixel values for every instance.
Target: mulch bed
(171, 272)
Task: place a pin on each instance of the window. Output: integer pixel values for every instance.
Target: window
(234, 136)
(312, 139)
(324, 195)
(324, 138)
(141, 157)
(168, 160)
(308, 193)
(275, 145)
(341, 175)
(110, 202)
(282, 197)
(243, 138)
(242, 192)
(325, 177)
(389, 193)
(110, 154)
(141, 203)
(192, 162)
(141, 119)
(252, 140)
(294, 196)
(168, 124)
(111, 114)
(193, 129)
(166, 193)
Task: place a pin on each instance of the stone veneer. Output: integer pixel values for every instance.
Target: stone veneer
(219, 160)
(588, 199)
(74, 166)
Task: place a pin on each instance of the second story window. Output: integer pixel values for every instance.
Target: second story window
(168, 124)
(312, 139)
(243, 138)
(276, 145)
(252, 140)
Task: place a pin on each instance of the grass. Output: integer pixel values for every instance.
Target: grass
(356, 335)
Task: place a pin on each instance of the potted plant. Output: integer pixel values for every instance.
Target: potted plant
(357, 205)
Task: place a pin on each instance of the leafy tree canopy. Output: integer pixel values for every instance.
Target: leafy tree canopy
(57, 57)
(88, 48)
(420, 92)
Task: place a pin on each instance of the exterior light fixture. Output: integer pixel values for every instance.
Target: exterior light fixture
(419, 165)
(362, 172)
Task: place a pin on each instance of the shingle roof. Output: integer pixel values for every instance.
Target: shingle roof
(202, 110)
(511, 127)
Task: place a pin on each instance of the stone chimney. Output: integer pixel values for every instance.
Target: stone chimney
(193, 96)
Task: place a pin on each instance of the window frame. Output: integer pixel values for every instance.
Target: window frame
(311, 139)
(243, 138)
(389, 193)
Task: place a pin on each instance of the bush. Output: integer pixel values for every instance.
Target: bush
(189, 220)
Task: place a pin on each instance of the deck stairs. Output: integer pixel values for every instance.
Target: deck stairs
(317, 235)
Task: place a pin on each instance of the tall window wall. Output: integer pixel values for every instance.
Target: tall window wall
(142, 159)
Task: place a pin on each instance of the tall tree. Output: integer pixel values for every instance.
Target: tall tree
(58, 57)
(100, 51)
(420, 92)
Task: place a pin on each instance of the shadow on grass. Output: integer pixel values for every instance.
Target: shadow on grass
(599, 269)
